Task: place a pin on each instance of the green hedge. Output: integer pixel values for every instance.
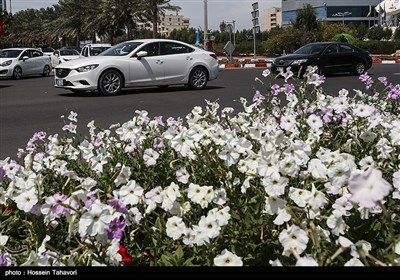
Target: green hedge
(379, 47)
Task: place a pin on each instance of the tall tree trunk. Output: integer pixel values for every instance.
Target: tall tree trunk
(129, 27)
(155, 19)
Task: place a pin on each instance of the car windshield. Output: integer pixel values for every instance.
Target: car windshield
(122, 49)
(97, 50)
(69, 52)
(310, 49)
(10, 53)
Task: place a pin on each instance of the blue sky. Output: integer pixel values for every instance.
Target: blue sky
(218, 10)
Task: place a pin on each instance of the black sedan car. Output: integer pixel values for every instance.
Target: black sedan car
(329, 57)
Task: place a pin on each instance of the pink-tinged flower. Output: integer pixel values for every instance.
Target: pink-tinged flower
(394, 92)
(276, 89)
(258, 98)
(316, 80)
(366, 79)
(383, 80)
(116, 229)
(2, 174)
(159, 120)
(118, 206)
(288, 89)
(369, 188)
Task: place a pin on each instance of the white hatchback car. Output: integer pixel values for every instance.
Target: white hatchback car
(147, 62)
(20, 62)
(94, 49)
(63, 55)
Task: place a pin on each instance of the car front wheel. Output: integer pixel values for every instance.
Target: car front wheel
(110, 83)
(359, 69)
(17, 73)
(198, 78)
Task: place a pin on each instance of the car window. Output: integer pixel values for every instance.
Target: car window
(331, 49)
(168, 48)
(26, 53)
(152, 49)
(69, 52)
(85, 51)
(310, 49)
(10, 53)
(36, 54)
(345, 49)
(97, 50)
(122, 48)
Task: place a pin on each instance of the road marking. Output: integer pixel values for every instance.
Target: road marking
(396, 74)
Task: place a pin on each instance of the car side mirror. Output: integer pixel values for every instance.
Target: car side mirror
(141, 54)
(25, 58)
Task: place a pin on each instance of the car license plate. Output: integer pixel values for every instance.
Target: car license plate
(59, 82)
(280, 69)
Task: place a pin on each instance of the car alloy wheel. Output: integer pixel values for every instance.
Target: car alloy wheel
(110, 83)
(198, 78)
(46, 71)
(17, 73)
(360, 68)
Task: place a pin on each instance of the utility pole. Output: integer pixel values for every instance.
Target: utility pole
(256, 27)
(205, 26)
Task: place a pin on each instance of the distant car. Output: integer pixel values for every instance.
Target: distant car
(63, 55)
(21, 62)
(147, 62)
(78, 49)
(94, 49)
(329, 57)
(47, 50)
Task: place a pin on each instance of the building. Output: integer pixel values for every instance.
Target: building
(272, 18)
(345, 11)
(167, 24)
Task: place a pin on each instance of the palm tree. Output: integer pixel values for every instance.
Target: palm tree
(155, 8)
(306, 19)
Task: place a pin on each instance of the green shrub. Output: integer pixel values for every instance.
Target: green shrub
(379, 47)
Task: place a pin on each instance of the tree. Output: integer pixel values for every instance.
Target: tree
(154, 8)
(361, 32)
(306, 19)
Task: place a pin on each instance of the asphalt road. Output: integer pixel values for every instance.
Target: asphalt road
(33, 104)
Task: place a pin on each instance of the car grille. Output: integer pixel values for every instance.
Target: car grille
(62, 73)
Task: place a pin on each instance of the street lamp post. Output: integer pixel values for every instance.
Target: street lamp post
(340, 14)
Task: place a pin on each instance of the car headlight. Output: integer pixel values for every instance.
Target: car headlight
(87, 68)
(299, 61)
(6, 63)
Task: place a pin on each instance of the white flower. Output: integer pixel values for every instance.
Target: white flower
(196, 193)
(175, 227)
(315, 122)
(209, 226)
(36, 260)
(396, 180)
(3, 197)
(288, 122)
(363, 110)
(226, 258)
(131, 193)
(123, 176)
(26, 200)
(299, 196)
(306, 261)
(276, 262)
(114, 258)
(340, 104)
(220, 197)
(369, 188)
(354, 262)
(317, 199)
(3, 240)
(317, 169)
(273, 205)
(336, 224)
(275, 184)
(283, 217)
(96, 220)
(150, 157)
(222, 216)
(396, 248)
(293, 238)
(182, 175)
(344, 242)
(169, 195)
(368, 136)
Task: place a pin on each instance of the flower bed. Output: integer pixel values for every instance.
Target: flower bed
(315, 182)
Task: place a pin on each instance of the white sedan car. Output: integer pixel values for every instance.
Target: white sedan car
(63, 55)
(147, 62)
(20, 62)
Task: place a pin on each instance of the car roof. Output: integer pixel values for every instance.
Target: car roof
(19, 49)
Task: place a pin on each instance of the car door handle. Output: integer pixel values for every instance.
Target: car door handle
(159, 61)
(189, 58)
